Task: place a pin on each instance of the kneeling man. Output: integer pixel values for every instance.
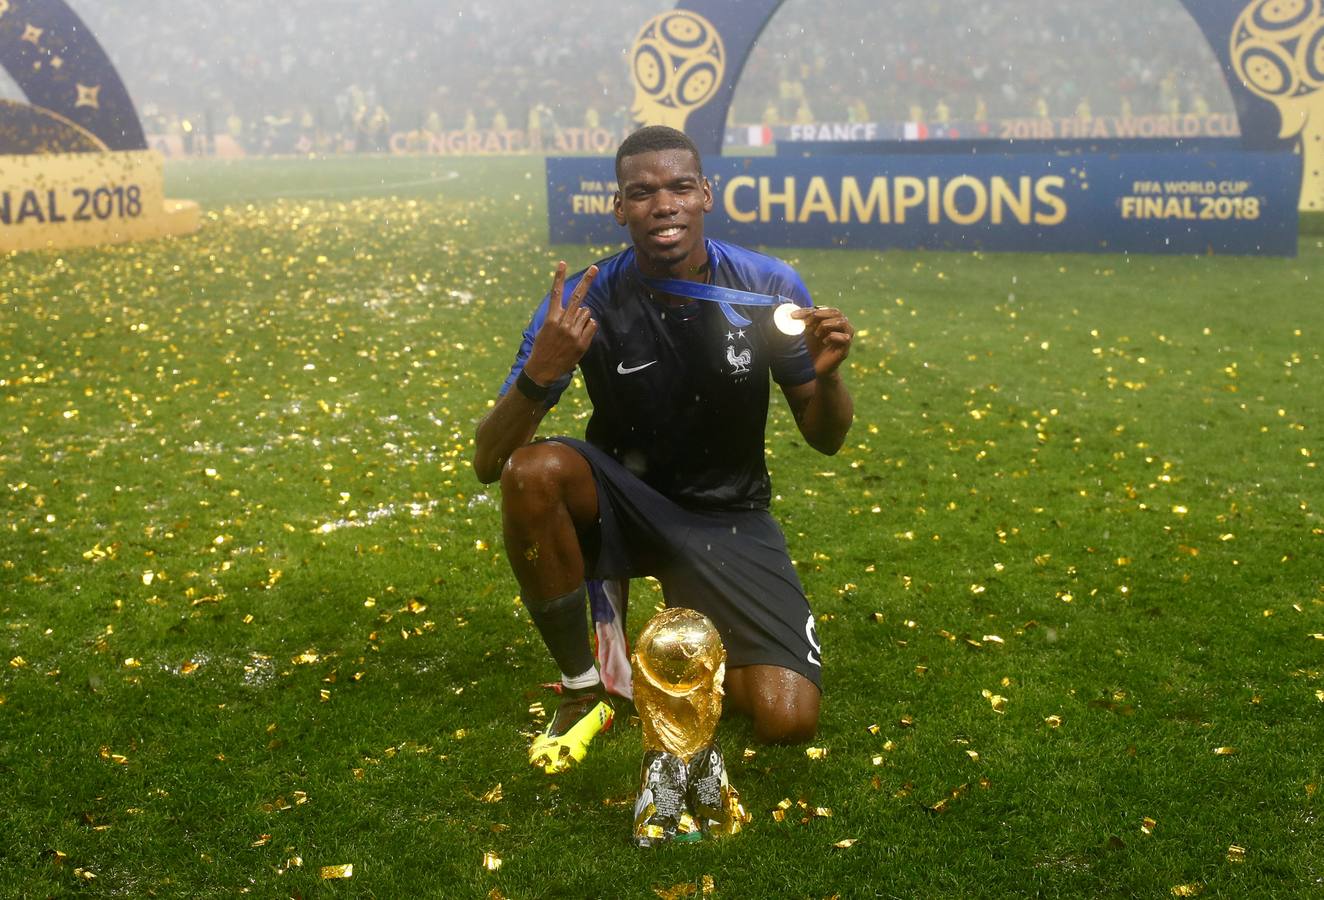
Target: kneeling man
(670, 479)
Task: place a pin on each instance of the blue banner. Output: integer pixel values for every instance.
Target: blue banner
(1224, 203)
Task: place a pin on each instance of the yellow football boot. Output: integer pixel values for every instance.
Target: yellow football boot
(565, 741)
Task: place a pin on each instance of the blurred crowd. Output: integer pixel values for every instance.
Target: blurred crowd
(938, 60)
(336, 75)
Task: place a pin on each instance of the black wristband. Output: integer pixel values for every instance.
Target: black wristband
(530, 388)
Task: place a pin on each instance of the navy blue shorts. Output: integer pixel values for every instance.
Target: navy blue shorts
(731, 566)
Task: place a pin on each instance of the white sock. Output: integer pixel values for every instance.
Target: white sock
(584, 680)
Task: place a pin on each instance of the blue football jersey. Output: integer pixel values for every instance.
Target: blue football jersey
(679, 394)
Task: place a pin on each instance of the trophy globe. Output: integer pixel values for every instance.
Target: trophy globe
(1278, 53)
(678, 61)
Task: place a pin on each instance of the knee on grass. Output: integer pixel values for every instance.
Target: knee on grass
(782, 704)
(785, 725)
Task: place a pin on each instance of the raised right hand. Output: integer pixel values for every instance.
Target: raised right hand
(566, 332)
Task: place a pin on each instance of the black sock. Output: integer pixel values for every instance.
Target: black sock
(563, 624)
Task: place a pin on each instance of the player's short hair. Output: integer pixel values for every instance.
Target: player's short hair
(653, 138)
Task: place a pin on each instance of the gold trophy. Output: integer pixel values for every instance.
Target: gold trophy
(678, 666)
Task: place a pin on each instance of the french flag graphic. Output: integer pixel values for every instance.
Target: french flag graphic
(608, 601)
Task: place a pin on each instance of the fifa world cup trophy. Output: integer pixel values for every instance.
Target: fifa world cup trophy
(1278, 53)
(678, 666)
(678, 61)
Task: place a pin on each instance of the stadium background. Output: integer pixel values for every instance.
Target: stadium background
(258, 633)
(247, 78)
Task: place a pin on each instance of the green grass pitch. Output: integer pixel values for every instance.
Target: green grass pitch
(256, 620)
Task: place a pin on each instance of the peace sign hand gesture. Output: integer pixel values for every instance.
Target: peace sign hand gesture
(566, 332)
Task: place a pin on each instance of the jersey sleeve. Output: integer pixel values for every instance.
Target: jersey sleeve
(526, 345)
(791, 364)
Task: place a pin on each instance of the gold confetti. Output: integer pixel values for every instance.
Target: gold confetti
(873, 729)
(1147, 825)
(261, 841)
(778, 815)
(816, 752)
(188, 668)
(845, 843)
(997, 701)
(1187, 890)
(1236, 854)
(17, 662)
(749, 753)
(341, 871)
(906, 721)
(492, 862)
(1224, 751)
(494, 795)
(973, 754)
(1053, 721)
(306, 658)
(118, 758)
(822, 812)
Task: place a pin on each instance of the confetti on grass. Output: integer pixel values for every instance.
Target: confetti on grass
(341, 871)
(704, 887)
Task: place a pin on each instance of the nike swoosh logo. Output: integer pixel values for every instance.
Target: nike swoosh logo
(620, 368)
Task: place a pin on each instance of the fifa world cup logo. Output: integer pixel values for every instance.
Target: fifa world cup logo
(1278, 53)
(678, 62)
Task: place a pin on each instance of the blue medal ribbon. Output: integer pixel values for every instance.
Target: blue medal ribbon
(724, 297)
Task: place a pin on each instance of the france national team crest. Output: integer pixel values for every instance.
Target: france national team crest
(739, 362)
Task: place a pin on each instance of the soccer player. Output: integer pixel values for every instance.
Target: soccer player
(670, 480)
